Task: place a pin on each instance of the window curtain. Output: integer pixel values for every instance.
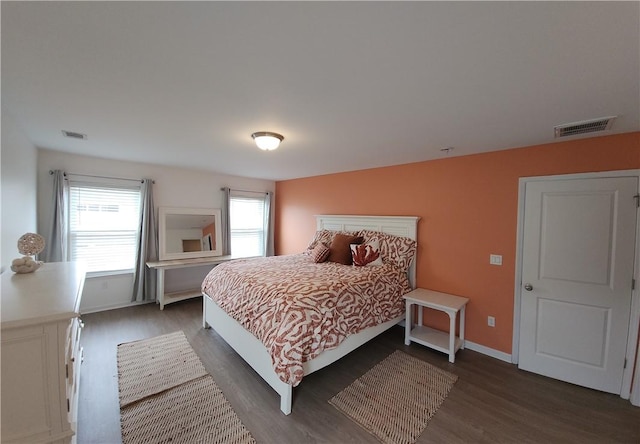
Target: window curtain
(144, 283)
(268, 236)
(57, 247)
(226, 222)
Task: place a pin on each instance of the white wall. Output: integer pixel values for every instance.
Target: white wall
(18, 183)
(174, 187)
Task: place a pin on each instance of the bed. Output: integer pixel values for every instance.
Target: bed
(279, 362)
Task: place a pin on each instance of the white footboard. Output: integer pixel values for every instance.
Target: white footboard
(256, 355)
(248, 347)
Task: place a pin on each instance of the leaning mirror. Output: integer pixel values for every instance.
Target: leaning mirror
(186, 233)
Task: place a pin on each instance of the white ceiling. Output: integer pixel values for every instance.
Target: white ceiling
(351, 85)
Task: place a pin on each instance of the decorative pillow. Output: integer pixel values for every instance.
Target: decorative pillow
(320, 253)
(398, 250)
(366, 254)
(321, 237)
(326, 236)
(340, 250)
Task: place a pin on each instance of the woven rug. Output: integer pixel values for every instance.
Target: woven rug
(395, 400)
(166, 395)
(153, 365)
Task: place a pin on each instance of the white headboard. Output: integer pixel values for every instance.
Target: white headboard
(406, 226)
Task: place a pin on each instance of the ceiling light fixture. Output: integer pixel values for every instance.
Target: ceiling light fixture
(267, 141)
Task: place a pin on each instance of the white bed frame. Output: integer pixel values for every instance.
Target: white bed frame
(255, 353)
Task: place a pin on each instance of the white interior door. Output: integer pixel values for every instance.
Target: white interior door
(577, 270)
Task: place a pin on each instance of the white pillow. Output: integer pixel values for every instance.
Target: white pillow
(366, 254)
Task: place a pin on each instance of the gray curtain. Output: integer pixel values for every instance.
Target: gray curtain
(57, 247)
(144, 283)
(268, 239)
(226, 222)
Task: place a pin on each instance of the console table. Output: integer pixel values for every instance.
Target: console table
(430, 337)
(164, 298)
(41, 353)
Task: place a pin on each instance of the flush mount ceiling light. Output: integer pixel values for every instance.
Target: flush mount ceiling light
(267, 141)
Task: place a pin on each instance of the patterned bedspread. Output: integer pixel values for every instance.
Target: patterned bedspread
(299, 308)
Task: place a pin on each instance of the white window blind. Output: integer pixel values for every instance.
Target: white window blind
(103, 226)
(247, 225)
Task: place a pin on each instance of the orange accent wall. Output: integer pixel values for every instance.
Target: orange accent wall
(468, 210)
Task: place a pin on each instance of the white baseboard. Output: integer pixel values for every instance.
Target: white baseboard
(113, 307)
(502, 356)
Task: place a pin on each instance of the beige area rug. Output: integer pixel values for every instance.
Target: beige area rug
(154, 365)
(166, 395)
(395, 400)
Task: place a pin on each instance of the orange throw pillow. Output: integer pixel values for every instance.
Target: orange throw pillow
(340, 249)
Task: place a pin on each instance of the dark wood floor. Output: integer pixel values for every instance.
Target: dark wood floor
(492, 402)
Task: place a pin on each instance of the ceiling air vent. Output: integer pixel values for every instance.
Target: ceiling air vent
(585, 126)
(74, 135)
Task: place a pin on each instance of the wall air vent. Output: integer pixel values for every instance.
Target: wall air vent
(583, 127)
(74, 135)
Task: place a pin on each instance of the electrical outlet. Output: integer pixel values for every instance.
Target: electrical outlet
(491, 321)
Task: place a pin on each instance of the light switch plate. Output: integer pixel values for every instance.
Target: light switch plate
(495, 259)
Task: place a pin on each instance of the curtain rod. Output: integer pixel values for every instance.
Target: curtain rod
(101, 177)
(244, 191)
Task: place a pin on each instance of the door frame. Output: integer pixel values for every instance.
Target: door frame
(633, 361)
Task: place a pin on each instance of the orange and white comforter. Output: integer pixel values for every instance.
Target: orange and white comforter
(298, 308)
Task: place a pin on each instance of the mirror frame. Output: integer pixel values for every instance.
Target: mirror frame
(163, 212)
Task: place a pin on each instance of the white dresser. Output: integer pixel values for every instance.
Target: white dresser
(41, 353)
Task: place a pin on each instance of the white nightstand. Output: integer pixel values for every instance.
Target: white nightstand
(436, 339)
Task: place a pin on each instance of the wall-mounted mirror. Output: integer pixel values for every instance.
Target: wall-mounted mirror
(186, 233)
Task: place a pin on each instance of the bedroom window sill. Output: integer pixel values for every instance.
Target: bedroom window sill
(96, 274)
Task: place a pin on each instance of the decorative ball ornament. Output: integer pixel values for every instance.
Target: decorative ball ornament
(29, 244)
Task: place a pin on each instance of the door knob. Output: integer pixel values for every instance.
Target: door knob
(528, 287)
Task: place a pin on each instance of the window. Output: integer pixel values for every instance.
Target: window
(103, 225)
(248, 225)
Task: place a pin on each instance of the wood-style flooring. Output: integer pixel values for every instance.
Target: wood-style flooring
(492, 402)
